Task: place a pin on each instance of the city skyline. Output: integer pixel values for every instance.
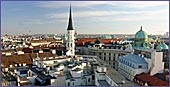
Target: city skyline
(89, 17)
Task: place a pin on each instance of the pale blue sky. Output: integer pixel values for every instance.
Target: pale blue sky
(89, 17)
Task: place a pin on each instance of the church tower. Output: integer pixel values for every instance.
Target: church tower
(70, 45)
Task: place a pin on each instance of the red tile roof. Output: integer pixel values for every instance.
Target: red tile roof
(17, 59)
(44, 40)
(151, 80)
(46, 54)
(80, 41)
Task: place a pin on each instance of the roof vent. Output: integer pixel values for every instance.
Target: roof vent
(3, 53)
(20, 64)
(8, 54)
(20, 52)
(50, 57)
(40, 51)
(24, 64)
(44, 58)
(10, 66)
(31, 47)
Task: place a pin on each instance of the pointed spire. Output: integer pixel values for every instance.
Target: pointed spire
(70, 26)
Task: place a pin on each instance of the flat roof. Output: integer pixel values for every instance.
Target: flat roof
(116, 76)
(103, 83)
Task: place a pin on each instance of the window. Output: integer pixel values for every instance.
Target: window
(140, 66)
(73, 83)
(88, 79)
(99, 53)
(102, 69)
(109, 58)
(109, 54)
(55, 61)
(93, 77)
(104, 58)
(119, 55)
(68, 83)
(51, 68)
(113, 58)
(71, 45)
(104, 53)
(68, 44)
(130, 64)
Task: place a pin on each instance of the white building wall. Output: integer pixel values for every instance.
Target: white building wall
(149, 61)
(32, 79)
(76, 73)
(89, 80)
(157, 64)
(37, 44)
(70, 42)
(49, 62)
(130, 72)
(60, 81)
(76, 82)
(110, 81)
(79, 82)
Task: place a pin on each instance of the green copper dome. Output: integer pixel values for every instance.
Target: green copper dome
(141, 34)
(162, 46)
(107, 36)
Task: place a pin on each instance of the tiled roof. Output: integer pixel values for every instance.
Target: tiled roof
(17, 59)
(12, 50)
(151, 80)
(80, 41)
(44, 40)
(46, 54)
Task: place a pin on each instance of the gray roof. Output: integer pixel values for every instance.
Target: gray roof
(103, 83)
(134, 58)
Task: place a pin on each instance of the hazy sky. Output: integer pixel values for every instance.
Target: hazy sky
(89, 17)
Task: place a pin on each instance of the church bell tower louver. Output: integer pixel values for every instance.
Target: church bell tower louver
(70, 45)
